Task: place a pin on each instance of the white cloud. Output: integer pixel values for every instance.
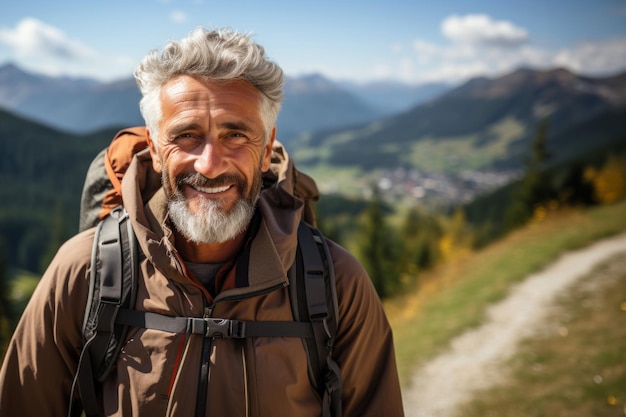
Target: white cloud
(430, 52)
(178, 16)
(480, 46)
(482, 29)
(32, 37)
(42, 48)
(599, 57)
(458, 62)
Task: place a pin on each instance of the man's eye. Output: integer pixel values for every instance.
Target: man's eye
(236, 136)
(186, 139)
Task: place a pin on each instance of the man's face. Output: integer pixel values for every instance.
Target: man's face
(211, 155)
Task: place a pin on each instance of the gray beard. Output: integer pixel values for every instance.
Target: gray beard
(211, 224)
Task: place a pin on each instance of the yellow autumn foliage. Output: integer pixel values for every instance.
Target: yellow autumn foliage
(609, 182)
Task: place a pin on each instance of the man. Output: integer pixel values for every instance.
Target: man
(216, 245)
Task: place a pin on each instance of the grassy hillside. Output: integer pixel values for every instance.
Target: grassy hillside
(453, 297)
(559, 372)
(482, 124)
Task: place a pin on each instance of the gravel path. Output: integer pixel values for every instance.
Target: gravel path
(474, 358)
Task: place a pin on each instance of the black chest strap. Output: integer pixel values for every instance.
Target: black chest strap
(215, 328)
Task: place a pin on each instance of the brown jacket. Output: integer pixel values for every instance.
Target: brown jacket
(157, 373)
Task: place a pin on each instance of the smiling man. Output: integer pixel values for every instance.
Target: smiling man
(212, 150)
(219, 235)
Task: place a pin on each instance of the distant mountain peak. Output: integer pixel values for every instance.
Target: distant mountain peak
(310, 83)
(524, 79)
(9, 67)
(11, 72)
(12, 75)
(538, 77)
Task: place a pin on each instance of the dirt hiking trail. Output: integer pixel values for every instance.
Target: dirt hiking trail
(473, 360)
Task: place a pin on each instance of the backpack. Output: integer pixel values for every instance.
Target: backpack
(113, 282)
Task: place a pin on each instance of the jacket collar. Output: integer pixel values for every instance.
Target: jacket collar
(272, 249)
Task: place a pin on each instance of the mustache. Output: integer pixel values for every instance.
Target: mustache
(198, 180)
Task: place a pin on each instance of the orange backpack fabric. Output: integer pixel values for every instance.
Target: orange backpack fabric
(117, 158)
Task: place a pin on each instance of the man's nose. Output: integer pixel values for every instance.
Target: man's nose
(211, 162)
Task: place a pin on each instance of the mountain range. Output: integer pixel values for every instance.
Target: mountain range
(311, 102)
(434, 149)
(484, 124)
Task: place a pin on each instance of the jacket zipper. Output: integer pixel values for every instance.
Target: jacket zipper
(245, 379)
(207, 343)
(203, 381)
(207, 346)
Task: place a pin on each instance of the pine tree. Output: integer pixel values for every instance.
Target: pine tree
(378, 248)
(57, 236)
(534, 188)
(419, 237)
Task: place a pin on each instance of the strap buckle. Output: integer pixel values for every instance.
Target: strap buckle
(217, 328)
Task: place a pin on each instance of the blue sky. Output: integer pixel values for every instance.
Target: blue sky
(414, 41)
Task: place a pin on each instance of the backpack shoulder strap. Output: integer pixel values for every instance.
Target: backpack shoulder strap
(314, 300)
(110, 311)
(114, 249)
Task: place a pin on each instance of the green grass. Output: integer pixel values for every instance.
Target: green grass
(453, 298)
(343, 181)
(577, 365)
(452, 154)
(457, 154)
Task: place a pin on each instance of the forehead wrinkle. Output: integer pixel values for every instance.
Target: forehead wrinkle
(182, 127)
(241, 126)
(189, 107)
(178, 93)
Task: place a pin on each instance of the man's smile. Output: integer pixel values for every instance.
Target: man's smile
(211, 190)
(211, 187)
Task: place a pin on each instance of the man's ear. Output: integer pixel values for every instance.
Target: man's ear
(156, 161)
(267, 151)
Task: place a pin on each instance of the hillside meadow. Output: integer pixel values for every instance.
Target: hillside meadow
(453, 297)
(576, 364)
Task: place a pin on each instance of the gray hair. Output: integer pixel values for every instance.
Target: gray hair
(220, 55)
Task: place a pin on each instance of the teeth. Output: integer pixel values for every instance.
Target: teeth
(212, 190)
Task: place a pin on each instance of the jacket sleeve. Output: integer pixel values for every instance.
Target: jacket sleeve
(41, 360)
(364, 346)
